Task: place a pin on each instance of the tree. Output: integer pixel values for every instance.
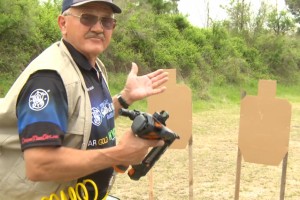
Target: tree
(280, 22)
(156, 6)
(294, 7)
(239, 15)
(207, 13)
(260, 19)
(162, 6)
(47, 27)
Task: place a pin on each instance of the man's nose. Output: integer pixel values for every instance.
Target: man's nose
(98, 27)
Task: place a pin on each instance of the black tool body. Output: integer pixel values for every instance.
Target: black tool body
(151, 127)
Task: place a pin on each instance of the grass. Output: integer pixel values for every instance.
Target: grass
(218, 96)
(227, 96)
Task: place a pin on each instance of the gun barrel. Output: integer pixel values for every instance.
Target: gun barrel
(128, 113)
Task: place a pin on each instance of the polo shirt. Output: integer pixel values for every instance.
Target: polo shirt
(42, 113)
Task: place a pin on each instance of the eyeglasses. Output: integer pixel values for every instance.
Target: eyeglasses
(91, 20)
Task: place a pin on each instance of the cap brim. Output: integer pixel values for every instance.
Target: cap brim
(114, 7)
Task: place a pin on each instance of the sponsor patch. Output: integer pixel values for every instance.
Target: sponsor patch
(38, 100)
(96, 116)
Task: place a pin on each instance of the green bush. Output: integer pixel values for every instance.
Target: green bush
(158, 38)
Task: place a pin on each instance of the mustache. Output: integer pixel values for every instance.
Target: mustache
(95, 35)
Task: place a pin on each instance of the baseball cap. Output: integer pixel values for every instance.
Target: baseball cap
(73, 3)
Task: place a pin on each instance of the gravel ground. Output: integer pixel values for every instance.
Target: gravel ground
(214, 152)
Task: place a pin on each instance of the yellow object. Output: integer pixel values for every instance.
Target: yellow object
(79, 193)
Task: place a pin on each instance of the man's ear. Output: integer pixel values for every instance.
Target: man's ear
(62, 24)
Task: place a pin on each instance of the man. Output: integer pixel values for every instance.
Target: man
(63, 107)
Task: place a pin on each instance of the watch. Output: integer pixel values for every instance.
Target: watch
(122, 102)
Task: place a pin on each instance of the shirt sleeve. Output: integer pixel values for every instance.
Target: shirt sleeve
(42, 110)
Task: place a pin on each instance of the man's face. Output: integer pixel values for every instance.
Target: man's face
(90, 40)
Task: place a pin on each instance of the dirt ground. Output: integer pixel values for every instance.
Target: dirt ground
(214, 152)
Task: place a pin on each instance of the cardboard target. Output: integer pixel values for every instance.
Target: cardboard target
(264, 126)
(177, 101)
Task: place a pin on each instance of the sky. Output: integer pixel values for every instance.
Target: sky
(197, 9)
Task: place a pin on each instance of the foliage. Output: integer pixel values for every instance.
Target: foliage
(16, 23)
(282, 55)
(161, 6)
(294, 7)
(280, 22)
(6, 81)
(239, 15)
(26, 28)
(47, 27)
(153, 34)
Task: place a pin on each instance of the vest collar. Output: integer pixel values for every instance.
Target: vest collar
(78, 57)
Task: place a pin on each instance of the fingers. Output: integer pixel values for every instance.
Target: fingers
(135, 149)
(134, 69)
(130, 138)
(161, 143)
(158, 81)
(158, 78)
(155, 73)
(158, 90)
(152, 143)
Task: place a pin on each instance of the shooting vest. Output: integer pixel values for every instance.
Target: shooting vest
(13, 182)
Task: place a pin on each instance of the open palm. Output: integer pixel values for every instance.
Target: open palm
(140, 87)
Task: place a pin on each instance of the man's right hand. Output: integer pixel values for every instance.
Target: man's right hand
(134, 149)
